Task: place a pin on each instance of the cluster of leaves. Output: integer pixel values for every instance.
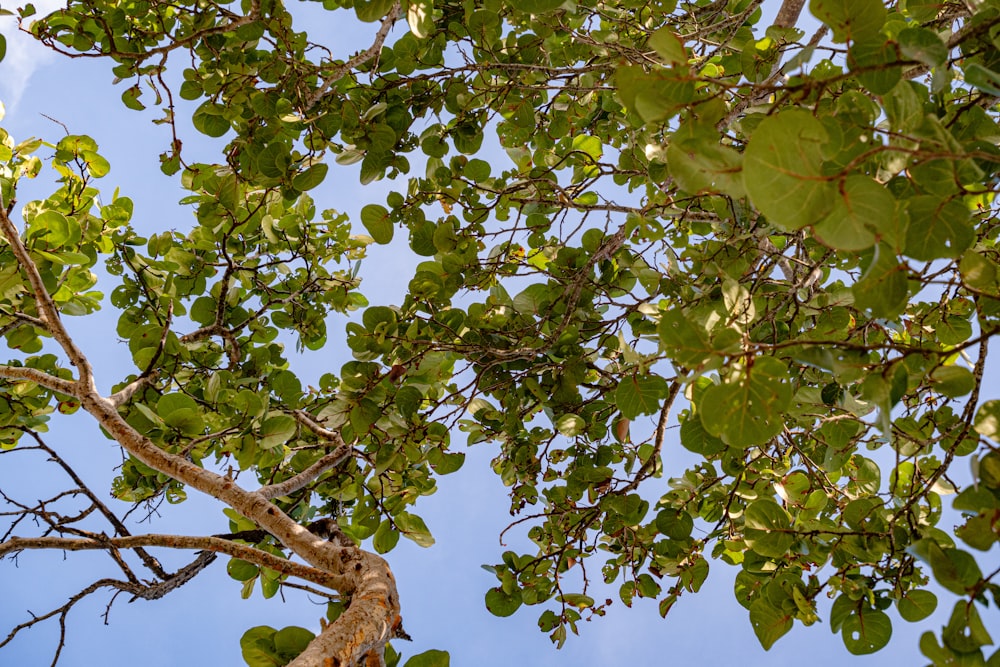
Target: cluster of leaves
(791, 242)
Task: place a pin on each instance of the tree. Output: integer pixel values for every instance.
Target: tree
(781, 237)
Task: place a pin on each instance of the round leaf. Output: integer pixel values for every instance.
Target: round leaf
(375, 218)
(241, 570)
(640, 395)
(276, 430)
(432, 658)
(748, 408)
(783, 170)
(310, 178)
(414, 528)
(291, 641)
(859, 213)
(385, 538)
(917, 605)
(953, 381)
(502, 604)
(866, 632)
(58, 230)
(765, 521)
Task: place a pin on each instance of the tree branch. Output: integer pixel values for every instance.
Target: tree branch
(122, 396)
(788, 14)
(40, 378)
(199, 543)
(293, 484)
(371, 52)
(232, 345)
(47, 310)
(120, 529)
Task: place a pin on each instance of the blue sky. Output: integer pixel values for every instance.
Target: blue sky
(441, 588)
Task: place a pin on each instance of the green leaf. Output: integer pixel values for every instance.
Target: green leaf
(965, 631)
(769, 623)
(258, 649)
(536, 6)
(414, 528)
(432, 658)
(923, 45)
(684, 341)
(181, 412)
(842, 609)
(700, 162)
(989, 476)
(938, 229)
(977, 531)
(850, 19)
(921, 11)
(445, 463)
(640, 395)
(872, 60)
(270, 583)
(916, 605)
(209, 119)
(375, 218)
(130, 98)
(866, 631)
(982, 78)
(291, 641)
(241, 570)
(980, 272)
(987, 421)
(372, 10)
(310, 178)
(953, 381)
(954, 569)
(862, 214)
(668, 46)
(747, 408)
(500, 603)
(764, 522)
(696, 439)
(58, 230)
(674, 524)
(385, 538)
(578, 600)
(882, 288)
(655, 95)
(277, 430)
(97, 165)
(783, 170)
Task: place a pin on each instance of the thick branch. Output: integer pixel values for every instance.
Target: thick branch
(364, 576)
(40, 378)
(367, 624)
(788, 14)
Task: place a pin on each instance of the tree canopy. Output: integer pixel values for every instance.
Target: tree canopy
(780, 235)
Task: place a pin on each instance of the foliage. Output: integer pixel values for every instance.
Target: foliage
(627, 213)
